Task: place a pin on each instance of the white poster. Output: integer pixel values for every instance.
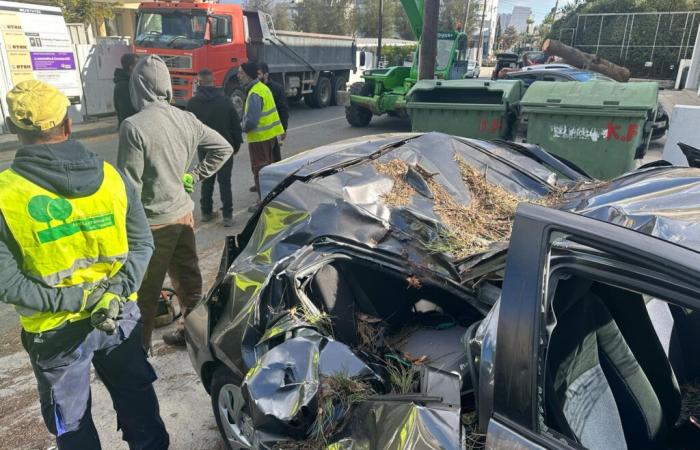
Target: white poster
(36, 45)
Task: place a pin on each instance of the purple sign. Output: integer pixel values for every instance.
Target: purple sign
(52, 61)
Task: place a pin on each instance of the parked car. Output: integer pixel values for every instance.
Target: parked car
(473, 69)
(379, 299)
(549, 66)
(530, 75)
(504, 62)
(530, 58)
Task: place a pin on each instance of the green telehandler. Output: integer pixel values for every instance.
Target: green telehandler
(383, 91)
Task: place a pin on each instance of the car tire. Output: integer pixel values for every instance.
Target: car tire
(339, 84)
(228, 405)
(358, 116)
(321, 95)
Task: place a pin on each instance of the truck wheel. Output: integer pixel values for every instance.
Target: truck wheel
(237, 95)
(358, 116)
(339, 84)
(321, 95)
(228, 405)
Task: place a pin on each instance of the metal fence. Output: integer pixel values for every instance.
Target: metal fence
(650, 44)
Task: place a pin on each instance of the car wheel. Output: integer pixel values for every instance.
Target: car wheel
(339, 84)
(228, 405)
(321, 95)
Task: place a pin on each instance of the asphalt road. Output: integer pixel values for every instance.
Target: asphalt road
(191, 426)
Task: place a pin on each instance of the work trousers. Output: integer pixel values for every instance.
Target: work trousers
(61, 361)
(175, 253)
(261, 155)
(223, 177)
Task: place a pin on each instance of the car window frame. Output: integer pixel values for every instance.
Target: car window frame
(519, 351)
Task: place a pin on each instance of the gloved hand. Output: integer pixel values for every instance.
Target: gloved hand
(104, 316)
(188, 182)
(94, 293)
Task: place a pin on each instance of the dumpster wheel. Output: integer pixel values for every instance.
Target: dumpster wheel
(358, 116)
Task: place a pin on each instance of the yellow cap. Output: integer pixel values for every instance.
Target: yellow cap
(36, 106)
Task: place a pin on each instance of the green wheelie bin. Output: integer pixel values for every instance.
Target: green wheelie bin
(480, 109)
(601, 126)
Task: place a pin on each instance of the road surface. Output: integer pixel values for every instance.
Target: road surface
(185, 407)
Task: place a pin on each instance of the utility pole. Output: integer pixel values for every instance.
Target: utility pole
(481, 34)
(379, 31)
(428, 46)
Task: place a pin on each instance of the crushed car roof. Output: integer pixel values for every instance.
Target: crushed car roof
(424, 203)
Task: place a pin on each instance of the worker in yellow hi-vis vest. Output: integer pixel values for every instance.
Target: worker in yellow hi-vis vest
(74, 246)
(260, 122)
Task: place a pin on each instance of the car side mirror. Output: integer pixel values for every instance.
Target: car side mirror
(363, 59)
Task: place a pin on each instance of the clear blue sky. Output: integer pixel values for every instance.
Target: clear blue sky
(540, 8)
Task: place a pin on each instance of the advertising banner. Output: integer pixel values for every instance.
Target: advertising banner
(36, 45)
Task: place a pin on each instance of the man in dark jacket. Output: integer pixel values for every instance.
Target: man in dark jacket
(280, 102)
(74, 246)
(218, 113)
(122, 102)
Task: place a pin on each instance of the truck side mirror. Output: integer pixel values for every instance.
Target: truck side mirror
(363, 59)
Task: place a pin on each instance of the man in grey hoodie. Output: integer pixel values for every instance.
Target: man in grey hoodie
(156, 147)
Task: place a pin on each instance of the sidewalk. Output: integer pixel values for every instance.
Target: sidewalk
(670, 98)
(90, 128)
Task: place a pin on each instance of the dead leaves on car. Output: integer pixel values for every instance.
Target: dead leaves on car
(464, 229)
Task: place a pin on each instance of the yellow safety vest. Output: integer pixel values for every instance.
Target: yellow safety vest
(269, 125)
(65, 242)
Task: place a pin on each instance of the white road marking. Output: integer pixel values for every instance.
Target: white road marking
(315, 123)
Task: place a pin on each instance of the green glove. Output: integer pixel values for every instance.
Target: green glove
(104, 316)
(188, 182)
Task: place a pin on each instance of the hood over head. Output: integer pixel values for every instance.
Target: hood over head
(121, 75)
(150, 82)
(67, 168)
(208, 93)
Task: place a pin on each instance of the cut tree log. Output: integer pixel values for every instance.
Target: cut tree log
(586, 61)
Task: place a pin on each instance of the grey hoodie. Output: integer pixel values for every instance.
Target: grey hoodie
(157, 144)
(70, 170)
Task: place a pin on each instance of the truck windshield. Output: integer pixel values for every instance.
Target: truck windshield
(171, 29)
(444, 49)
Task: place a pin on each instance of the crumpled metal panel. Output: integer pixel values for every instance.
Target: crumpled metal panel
(393, 425)
(346, 205)
(662, 202)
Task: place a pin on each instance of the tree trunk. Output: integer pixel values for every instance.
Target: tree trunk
(586, 61)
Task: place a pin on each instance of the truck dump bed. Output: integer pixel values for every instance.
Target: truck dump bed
(292, 51)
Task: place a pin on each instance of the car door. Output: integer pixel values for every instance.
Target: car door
(613, 254)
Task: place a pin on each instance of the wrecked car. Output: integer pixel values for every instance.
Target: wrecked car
(433, 292)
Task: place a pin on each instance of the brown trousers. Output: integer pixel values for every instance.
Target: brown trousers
(261, 155)
(175, 254)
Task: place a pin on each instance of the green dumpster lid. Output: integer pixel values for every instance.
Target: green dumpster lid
(511, 89)
(592, 95)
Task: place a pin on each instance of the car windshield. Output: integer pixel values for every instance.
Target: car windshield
(171, 29)
(444, 48)
(588, 76)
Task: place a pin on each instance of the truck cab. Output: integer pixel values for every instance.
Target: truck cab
(190, 37)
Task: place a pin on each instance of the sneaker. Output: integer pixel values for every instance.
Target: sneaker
(228, 222)
(209, 217)
(252, 189)
(176, 338)
(254, 207)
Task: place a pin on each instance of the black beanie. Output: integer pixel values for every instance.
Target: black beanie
(251, 69)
